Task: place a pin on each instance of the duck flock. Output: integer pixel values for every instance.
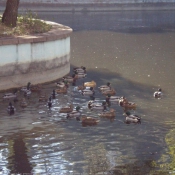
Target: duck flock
(86, 89)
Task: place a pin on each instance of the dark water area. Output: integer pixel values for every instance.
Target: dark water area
(135, 52)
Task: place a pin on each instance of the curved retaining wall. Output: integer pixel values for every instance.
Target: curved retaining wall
(36, 58)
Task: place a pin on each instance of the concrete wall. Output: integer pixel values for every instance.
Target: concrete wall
(37, 58)
(95, 1)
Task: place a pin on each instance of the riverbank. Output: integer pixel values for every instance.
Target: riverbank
(100, 7)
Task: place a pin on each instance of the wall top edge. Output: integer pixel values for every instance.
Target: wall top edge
(57, 32)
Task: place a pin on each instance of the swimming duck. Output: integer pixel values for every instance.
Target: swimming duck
(74, 113)
(132, 118)
(25, 88)
(62, 84)
(158, 93)
(108, 114)
(23, 103)
(53, 95)
(42, 98)
(27, 92)
(36, 88)
(69, 78)
(81, 69)
(87, 91)
(89, 120)
(80, 75)
(108, 92)
(101, 106)
(90, 84)
(11, 109)
(66, 109)
(105, 87)
(112, 98)
(123, 102)
(49, 103)
(61, 90)
(9, 95)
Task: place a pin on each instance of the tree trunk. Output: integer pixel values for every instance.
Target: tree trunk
(10, 14)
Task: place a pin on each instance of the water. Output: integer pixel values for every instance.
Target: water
(132, 50)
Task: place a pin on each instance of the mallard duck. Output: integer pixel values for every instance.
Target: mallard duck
(36, 88)
(123, 102)
(42, 98)
(108, 114)
(69, 78)
(27, 92)
(53, 95)
(112, 98)
(98, 106)
(61, 90)
(105, 87)
(66, 109)
(74, 113)
(11, 109)
(87, 91)
(81, 69)
(9, 95)
(158, 93)
(25, 88)
(23, 103)
(49, 103)
(89, 120)
(90, 84)
(132, 118)
(108, 92)
(62, 84)
(80, 75)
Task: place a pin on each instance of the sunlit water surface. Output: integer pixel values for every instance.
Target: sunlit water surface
(38, 140)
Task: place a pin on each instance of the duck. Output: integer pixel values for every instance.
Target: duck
(158, 93)
(96, 106)
(81, 69)
(75, 113)
(132, 118)
(62, 84)
(11, 109)
(89, 121)
(53, 94)
(123, 102)
(90, 84)
(92, 102)
(27, 92)
(105, 87)
(80, 75)
(9, 95)
(23, 103)
(112, 98)
(61, 90)
(36, 88)
(25, 88)
(42, 98)
(108, 114)
(87, 91)
(49, 103)
(69, 78)
(66, 109)
(109, 92)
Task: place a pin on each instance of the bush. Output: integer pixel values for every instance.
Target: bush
(26, 24)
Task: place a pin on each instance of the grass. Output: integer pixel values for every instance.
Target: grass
(26, 25)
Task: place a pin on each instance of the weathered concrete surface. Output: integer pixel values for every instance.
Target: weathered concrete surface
(36, 58)
(93, 7)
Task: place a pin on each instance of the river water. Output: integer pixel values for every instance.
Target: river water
(135, 52)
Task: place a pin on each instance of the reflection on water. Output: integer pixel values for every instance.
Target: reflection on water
(136, 64)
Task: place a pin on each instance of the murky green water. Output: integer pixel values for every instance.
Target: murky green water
(38, 140)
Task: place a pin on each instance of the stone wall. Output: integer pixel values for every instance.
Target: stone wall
(35, 58)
